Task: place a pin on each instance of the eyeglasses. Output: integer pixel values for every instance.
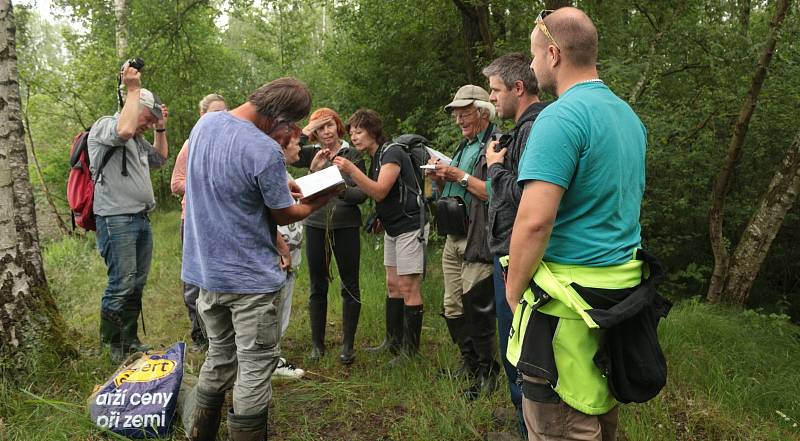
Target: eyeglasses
(463, 115)
(543, 27)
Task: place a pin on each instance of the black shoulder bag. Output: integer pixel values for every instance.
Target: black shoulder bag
(451, 211)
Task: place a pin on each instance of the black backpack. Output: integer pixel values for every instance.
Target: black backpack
(412, 182)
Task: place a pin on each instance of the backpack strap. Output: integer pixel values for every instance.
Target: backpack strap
(124, 161)
(418, 194)
(107, 157)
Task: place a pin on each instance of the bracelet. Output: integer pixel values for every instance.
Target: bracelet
(161, 130)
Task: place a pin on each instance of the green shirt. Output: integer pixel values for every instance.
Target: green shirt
(591, 143)
(465, 160)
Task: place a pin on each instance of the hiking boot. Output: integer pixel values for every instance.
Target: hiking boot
(247, 427)
(288, 370)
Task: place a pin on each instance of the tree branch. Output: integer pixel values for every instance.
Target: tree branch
(725, 177)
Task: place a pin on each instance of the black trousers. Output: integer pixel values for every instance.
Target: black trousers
(345, 245)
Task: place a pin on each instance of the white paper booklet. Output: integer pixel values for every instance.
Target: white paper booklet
(320, 181)
(444, 159)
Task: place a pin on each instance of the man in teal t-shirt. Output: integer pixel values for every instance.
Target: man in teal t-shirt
(597, 157)
(583, 176)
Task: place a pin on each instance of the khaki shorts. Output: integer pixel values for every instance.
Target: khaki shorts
(406, 252)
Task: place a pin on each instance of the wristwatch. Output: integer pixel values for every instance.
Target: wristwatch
(464, 182)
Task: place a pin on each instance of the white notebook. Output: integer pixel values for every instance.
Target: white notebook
(435, 154)
(320, 181)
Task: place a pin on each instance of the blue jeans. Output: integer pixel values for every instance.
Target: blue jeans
(504, 319)
(126, 244)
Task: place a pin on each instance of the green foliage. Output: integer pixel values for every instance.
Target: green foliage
(406, 58)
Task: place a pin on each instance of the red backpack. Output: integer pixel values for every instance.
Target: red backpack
(80, 186)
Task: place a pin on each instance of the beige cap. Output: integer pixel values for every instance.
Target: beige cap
(151, 101)
(467, 95)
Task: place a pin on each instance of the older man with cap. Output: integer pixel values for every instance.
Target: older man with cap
(466, 259)
(121, 160)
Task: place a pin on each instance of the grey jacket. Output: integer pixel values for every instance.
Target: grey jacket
(506, 193)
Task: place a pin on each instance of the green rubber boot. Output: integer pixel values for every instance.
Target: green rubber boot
(130, 333)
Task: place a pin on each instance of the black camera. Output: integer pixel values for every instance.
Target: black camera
(136, 63)
(503, 141)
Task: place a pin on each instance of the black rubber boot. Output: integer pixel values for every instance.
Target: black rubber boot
(111, 324)
(459, 333)
(479, 310)
(130, 333)
(394, 325)
(205, 416)
(318, 313)
(485, 382)
(351, 310)
(384, 346)
(247, 427)
(412, 329)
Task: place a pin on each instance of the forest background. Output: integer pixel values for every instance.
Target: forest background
(686, 66)
(715, 82)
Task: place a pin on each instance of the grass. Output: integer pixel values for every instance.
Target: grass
(733, 375)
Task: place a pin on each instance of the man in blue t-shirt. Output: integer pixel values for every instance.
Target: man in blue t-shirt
(237, 193)
(583, 176)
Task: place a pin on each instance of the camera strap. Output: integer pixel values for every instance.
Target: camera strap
(119, 90)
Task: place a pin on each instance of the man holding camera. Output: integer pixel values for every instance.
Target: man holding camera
(466, 260)
(123, 196)
(515, 94)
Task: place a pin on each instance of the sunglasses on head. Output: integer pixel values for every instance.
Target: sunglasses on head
(540, 24)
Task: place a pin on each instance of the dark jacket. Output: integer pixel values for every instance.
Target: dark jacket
(506, 193)
(477, 249)
(341, 212)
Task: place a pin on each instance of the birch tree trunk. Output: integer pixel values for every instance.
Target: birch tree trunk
(121, 13)
(724, 179)
(27, 311)
(763, 227)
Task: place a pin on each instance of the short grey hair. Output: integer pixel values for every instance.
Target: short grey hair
(511, 68)
(485, 107)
